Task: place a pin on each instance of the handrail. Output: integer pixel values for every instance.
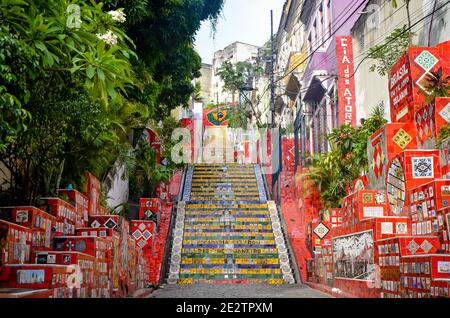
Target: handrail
(165, 267)
(182, 184)
(167, 248)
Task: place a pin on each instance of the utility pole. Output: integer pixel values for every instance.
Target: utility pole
(276, 150)
(272, 70)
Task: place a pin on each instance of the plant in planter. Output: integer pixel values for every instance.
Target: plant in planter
(438, 85)
(332, 172)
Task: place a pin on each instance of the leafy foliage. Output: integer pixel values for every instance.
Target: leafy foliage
(390, 51)
(70, 95)
(164, 32)
(335, 170)
(237, 78)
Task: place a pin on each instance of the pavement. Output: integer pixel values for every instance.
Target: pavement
(237, 291)
(142, 293)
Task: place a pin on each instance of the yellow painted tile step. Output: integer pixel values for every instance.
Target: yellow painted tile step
(201, 205)
(230, 250)
(265, 271)
(233, 227)
(221, 211)
(222, 261)
(270, 281)
(217, 219)
(250, 242)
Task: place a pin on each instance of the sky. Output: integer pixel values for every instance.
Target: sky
(245, 21)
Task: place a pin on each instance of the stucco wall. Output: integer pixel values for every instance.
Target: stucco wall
(206, 83)
(325, 58)
(372, 29)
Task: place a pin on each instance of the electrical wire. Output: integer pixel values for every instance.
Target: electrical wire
(365, 52)
(387, 43)
(365, 57)
(399, 35)
(329, 57)
(393, 39)
(314, 51)
(335, 22)
(329, 37)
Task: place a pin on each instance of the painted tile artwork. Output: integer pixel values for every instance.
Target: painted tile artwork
(396, 187)
(445, 113)
(423, 167)
(30, 276)
(324, 171)
(353, 256)
(321, 230)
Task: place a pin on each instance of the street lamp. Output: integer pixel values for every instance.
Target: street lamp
(248, 87)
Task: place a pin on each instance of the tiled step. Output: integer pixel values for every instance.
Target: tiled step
(225, 231)
(209, 274)
(226, 206)
(222, 260)
(227, 235)
(231, 281)
(238, 258)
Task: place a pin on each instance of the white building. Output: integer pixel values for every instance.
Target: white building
(206, 83)
(233, 53)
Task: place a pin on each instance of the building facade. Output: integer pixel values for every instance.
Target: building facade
(379, 20)
(205, 81)
(233, 53)
(291, 50)
(325, 22)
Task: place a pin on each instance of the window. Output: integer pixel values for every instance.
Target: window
(321, 25)
(315, 33)
(309, 43)
(329, 16)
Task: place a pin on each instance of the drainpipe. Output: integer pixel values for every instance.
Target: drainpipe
(336, 102)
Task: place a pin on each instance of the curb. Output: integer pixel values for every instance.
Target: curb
(142, 293)
(328, 290)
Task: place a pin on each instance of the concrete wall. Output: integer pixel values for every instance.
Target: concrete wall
(372, 29)
(206, 83)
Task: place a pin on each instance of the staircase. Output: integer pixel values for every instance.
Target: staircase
(226, 232)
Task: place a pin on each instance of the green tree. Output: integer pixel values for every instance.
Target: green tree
(164, 33)
(237, 76)
(71, 93)
(58, 82)
(237, 79)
